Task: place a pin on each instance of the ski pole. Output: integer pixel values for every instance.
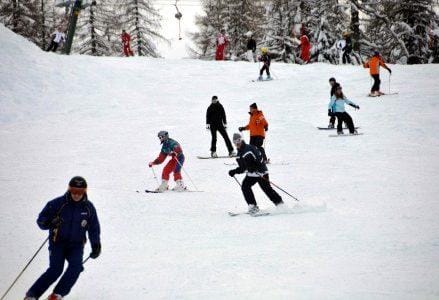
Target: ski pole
(85, 260)
(184, 170)
(389, 82)
(153, 172)
(19, 275)
(275, 185)
(237, 181)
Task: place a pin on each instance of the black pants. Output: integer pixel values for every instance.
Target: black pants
(266, 68)
(376, 83)
(344, 117)
(222, 131)
(346, 57)
(53, 46)
(264, 183)
(258, 141)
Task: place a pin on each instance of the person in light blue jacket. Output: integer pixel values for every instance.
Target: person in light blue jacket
(336, 106)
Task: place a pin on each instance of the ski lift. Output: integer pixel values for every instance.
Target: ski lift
(178, 16)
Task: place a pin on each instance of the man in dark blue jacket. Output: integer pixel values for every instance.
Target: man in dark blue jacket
(250, 160)
(67, 218)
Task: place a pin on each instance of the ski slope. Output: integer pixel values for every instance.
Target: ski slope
(366, 226)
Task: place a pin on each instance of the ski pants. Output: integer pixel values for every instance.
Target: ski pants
(344, 117)
(219, 55)
(58, 254)
(266, 68)
(264, 183)
(258, 141)
(223, 132)
(53, 46)
(173, 166)
(127, 50)
(376, 82)
(346, 56)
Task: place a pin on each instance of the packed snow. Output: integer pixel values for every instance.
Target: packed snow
(366, 225)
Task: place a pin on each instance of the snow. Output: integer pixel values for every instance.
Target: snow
(377, 236)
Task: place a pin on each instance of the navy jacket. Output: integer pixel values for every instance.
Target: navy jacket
(250, 160)
(76, 218)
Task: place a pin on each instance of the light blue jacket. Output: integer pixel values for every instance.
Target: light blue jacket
(337, 105)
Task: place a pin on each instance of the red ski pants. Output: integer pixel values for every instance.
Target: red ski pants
(219, 55)
(172, 167)
(127, 50)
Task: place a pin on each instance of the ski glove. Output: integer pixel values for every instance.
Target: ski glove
(95, 251)
(207, 126)
(225, 126)
(241, 128)
(232, 173)
(330, 114)
(266, 128)
(55, 222)
(151, 164)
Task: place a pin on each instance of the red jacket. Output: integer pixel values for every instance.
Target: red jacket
(126, 38)
(305, 46)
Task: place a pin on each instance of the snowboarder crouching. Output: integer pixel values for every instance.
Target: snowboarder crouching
(336, 106)
(172, 148)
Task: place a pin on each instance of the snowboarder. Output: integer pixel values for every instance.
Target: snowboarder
(67, 218)
(257, 126)
(347, 49)
(251, 47)
(374, 64)
(57, 37)
(216, 121)
(126, 40)
(336, 106)
(266, 60)
(250, 160)
(305, 47)
(334, 84)
(172, 148)
(221, 44)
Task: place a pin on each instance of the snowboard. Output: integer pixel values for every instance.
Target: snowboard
(260, 80)
(341, 135)
(220, 156)
(258, 214)
(382, 94)
(280, 163)
(326, 128)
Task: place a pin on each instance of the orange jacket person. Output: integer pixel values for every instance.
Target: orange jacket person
(374, 64)
(257, 126)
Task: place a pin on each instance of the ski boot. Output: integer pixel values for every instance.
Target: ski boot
(162, 187)
(213, 154)
(355, 132)
(281, 207)
(331, 125)
(340, 132)
(260, 78)
(179, 186)
(253, 209)
(269, 77)
(54, 296)
(232, 153)
(29, 298)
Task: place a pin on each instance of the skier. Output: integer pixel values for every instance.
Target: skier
(57, 37)
(334, 84)
(172, 148)
(257, 126)
(374, 64)
(221, 44)
(250, 160)
(126, 39)
(216, 121)
(67, 218)
(336, 106)
(265, 58)
(251, 47)
(347, 49)
(305, 47)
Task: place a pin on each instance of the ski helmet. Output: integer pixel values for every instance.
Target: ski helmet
(237, 138)
(78, 182)
(163, 135)
(264, 50)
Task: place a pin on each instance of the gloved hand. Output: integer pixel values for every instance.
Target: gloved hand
(232, 173)
(225, 126)
(95, 251)
(55, 222)
(241, 128)
(329, 113)
(207, 126)
(150, 164)
(390, 71)
(266, 128)
(357, 107)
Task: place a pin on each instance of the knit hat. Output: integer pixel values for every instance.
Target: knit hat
(78, 182)
(237, 138)
(214, 99)
(254, 106)
(332, 79)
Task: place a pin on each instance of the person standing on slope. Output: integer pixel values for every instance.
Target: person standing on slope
(216, 121)
(251, 47)
(58, 37)
(305, 47)
(266, 60)
(334, 85)
(374, 64)
(172, 148)
(250, 160)
(67, 218)
(126, 40)
(336, 106)
(221, 44)
(257, 126)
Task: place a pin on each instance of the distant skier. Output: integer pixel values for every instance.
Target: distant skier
(67, 218)
(251, 47)
(126, 40)
(336, 106)
(221, 44)
(305, 47)
(257, 126)
(266, 60)
(172, 148)
(347, 49)
(216, 121)
(334, 84)
(58, 37)
(250, 160)
(374, 64)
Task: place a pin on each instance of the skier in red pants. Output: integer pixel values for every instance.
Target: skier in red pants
(221, 44)
(126, 39)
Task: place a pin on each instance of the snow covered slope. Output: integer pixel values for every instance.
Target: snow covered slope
(369, 225)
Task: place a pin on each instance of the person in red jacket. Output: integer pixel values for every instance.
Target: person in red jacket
(126, 39)
(221, 44)
(305, 47)
(374, 64)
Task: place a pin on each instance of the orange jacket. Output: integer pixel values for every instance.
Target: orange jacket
(374, 65)
(257, 124)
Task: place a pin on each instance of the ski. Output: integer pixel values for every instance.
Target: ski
(326, 128)
(259, 214)
(210, 157)
(340, 135)
(260, 80)
(281, 163)
(157, 192)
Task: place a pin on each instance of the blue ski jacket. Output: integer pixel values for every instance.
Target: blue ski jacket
(337, 105)
(75, 219)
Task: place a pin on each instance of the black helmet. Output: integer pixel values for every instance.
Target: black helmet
(78, 182)
(163, 135)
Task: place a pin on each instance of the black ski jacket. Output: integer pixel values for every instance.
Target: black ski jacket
(250, 160)
(215, 115)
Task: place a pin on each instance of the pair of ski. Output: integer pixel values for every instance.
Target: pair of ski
(258, 214)
(382, 94)
(159, 192)
(220, 156)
